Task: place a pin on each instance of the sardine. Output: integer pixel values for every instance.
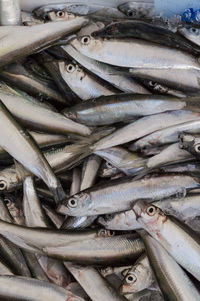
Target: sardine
(118, 195)
(115, 108)
(183, 245)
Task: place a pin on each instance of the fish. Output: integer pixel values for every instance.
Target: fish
(186, 249)
(120, 107)
(145, 126)
(119, 195)
(136, 9)
(146, 31)
(118, 53)
(10, 13)
(82, 83)
(27, 152)
(190, 143)
(173, 280)
(21, 41)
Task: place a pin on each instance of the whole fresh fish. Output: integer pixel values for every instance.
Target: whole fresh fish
(107, 72)
(183, 245)
(124, 160)
(115, 108)
(118, 195)
(19, 76)
(82, 83)
(190, 33)
(173, 281)
(138, 277)
(167, 135)
(10, 13)
(12, 287)
(146, 31)
(39, 117)
(21, 41)
(27, 152)
(118, 52)
(145, 126)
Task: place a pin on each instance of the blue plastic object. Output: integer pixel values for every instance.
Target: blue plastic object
(187, 16)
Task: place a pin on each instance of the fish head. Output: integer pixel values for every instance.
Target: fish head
(150, 217)
(191, 33)
(87, 44)
(108, 170)
(77, 205)
(9, 179)
(136, 279)
(59, 15)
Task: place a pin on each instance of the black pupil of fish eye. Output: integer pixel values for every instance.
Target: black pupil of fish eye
(2, 185)
(130, 13)
(72, 202)
(85, 40)
(60, 13)
(70, 67)
(198, 148)
(194, 29)
(151, 209)
(130, 278)
(111, 232)
(46, 17)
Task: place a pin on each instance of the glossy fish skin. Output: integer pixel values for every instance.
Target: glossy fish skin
(167, 135)
(107, 72)
(146, 54)
(108, 170)
(53, 216)
(12, 287)
(17, 41)
(82, 83)
(127, 162)
(157, 88)
(41, 118)
(148, 32)
(90, 171)
(19, 76)
(27, 152)
(35, 239)
(118, 195)
(120, 107)
(190, 33)
(10, 13)
(100, 251)
(145, 126)
(183, 245)
(173, 281)
(138, 277)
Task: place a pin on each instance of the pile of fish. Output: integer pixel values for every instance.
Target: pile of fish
(99, 154)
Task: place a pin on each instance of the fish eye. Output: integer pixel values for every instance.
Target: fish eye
(7, 202)
(85, 40)
(152, 84)
(197, 148)
(131, 279)
(72, 203)
(109, 165)
(151, 210)
(70, 68)
(194, 30)
(3, 185)
(111, 233)
(46, 17)
(60, 14)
